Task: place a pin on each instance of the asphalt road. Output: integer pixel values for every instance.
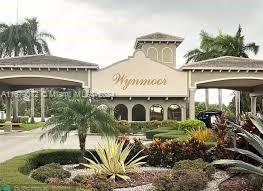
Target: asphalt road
(19, 143)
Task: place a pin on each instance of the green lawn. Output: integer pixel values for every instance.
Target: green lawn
(25, 126)
(30, 126)
(16, 173)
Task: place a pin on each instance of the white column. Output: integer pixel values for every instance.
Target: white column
(206, 99)
(32, 100)
(129, 113)
(253, 104)
(165, 113)
(237, 103)
(42, 104)
(8, 108)
(183, 113)
(147, 113)
(192, 103)
(220, 103)
(15, 107)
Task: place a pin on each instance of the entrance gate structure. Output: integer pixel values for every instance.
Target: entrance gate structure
(240, 74)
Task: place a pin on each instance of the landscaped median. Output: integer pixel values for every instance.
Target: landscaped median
(16, 171)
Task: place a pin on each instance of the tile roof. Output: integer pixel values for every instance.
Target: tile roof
(225, 63)
(44, 61)
(159, 37)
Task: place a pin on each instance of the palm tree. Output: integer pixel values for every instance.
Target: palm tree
(207, 50)
(222, 45)
(23, 39)
(79, 114)
(236, 46)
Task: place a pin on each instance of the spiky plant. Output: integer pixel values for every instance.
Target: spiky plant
(112, 159)
(202, 134)
(255, 141)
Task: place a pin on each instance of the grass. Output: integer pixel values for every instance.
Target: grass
(25, 126)
(30, 126)
(11, 173)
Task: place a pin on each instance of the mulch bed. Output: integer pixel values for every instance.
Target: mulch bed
(138, 179)
(240, 182)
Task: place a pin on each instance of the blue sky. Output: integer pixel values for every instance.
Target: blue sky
(87, 29)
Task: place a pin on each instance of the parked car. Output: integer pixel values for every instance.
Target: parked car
(208, 117)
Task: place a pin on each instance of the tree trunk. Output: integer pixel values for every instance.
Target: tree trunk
(82, 144)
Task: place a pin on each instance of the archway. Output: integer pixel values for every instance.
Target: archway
(121, 112)
(138, 113)
(156, 112)
(174, 112)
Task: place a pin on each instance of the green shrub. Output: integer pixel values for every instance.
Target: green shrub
(123, 127)
(2, 120)
(50, 171)
(149, 134)
(182, 180)
(198, 164)
(191, 124)
(63, 157)
(139, 126)
(24, 119)
(175, 134)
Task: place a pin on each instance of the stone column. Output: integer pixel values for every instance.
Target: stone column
(237, 103)
(32, 102)
(206, 99)
(42, 104)
(165, 113)
(192, 103)
(147, 114)
(220, 103)
(15, 107)
(183, 114)
(8, 123)
(253, 104)
(129, 113)
(8, 108)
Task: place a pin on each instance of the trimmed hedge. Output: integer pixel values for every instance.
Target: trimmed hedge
(178, 135)
(149, 134)
(15, 171)
(191, 124)
(63, 157)
(141, 126)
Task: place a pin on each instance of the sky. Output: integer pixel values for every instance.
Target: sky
(104, 31)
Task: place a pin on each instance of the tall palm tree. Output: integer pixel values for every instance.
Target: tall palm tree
(79, 114)
(207, 50)
(236, 46)
(222, 45)
(22, 39)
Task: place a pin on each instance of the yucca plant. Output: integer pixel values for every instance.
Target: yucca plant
(202, 134)
(112, 159)
(255, 141)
